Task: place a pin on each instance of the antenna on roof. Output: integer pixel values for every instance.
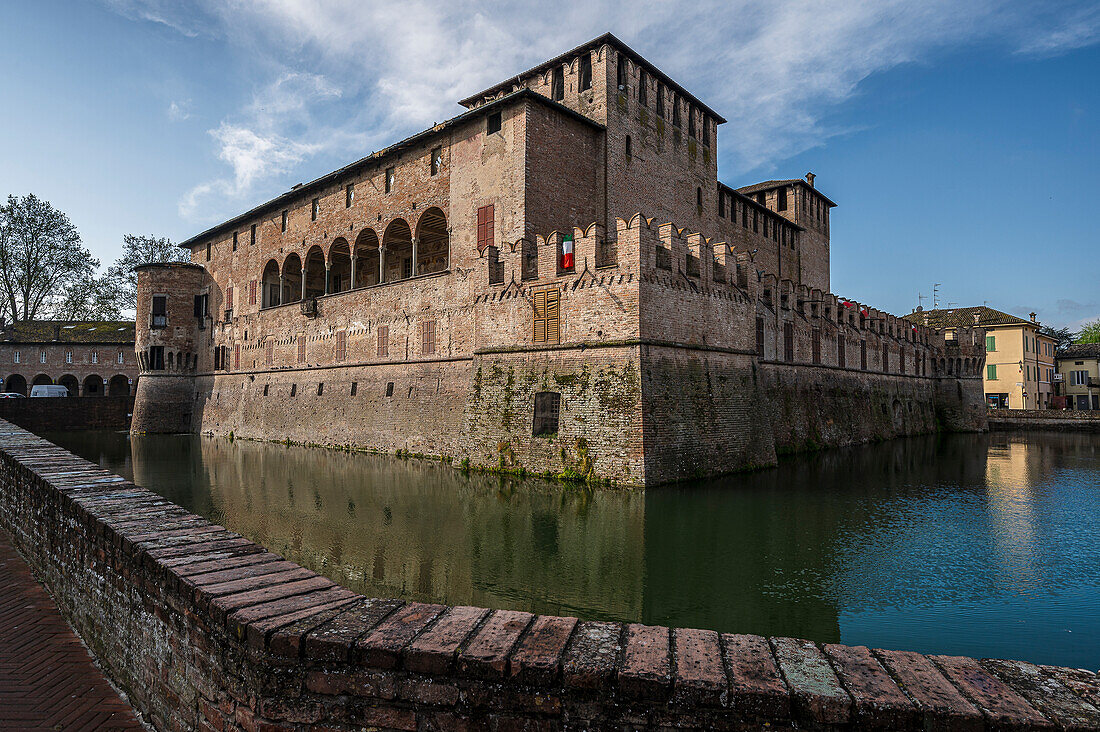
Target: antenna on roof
(936, 296)
(920, 301)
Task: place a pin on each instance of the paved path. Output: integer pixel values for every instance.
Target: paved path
(47, 678)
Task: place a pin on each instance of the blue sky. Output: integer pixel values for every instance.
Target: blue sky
(960, 140)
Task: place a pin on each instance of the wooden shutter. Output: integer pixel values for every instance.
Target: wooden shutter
(485, 227)
(237, 357)
(252, 292)
(229, 298)
(553, 317)
(341, 345)
(383, 340)
(269, 351)
(540, 317)
(301, 349)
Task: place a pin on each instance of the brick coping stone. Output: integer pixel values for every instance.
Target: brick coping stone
(206, 630)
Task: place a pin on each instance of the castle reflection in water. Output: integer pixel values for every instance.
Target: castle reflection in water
(934, 543)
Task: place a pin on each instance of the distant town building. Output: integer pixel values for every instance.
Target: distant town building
(90, 358)
(1079, 375)
(1019, 365)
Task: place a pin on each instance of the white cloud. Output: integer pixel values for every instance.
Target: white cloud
(178, 111)
(343, 76)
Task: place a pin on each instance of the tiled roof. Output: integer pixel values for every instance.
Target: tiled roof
(1080, 350)
(964, 317)
(770, 184)
(68, 331)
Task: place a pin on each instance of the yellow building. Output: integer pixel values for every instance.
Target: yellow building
(1079, 375)
(1019, 362)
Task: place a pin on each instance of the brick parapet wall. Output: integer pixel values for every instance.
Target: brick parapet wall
(1059, 420)
(71, 413)
(206, 630)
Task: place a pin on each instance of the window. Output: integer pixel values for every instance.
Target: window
(815, 345)
(121, 357)
(546, 320)
(1078, 378)
(437, 160)
(492, 123)
(781, 200)
(557, 84)
(885, 358)
(314, 208)
(620, 72)
(252, 292)
(699, 198)
(160, 311)
(237, 357)
(301, 349)
(547, 411)
(661, 101)
(293, 389)
(427, 338)
(349, 195)
(266, 388)
(485, 227)
(234, 241)
(208, 251)
(320, 388)
(252, 235)
(991, 372)
(156, 358)
(286, 217)
(228, 303)
(991, 343)
(629, 150)
(269, 352)
(406, 268)
(16, 357)
(354, 386)
(840, 355)
(584, 82)
(201, 309)
(383, 341)
(68, 356)
(691, 122)
(341, 345)
(675, 111)
(643, 88)
(95, 356)
(389, 388)
(863, 355)
(760, 337)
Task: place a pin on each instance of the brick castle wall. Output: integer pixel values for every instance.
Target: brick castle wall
(205, 630)
(45, 414)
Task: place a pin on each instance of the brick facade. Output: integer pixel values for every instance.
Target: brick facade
(91, 358)
(646, 345)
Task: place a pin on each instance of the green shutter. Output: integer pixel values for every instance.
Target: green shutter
(991, 343)
(991, 372)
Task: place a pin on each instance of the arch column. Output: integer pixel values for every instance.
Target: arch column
(328, 278)
(381, 264)
(354, 261)
(305, 269)
(415, 242)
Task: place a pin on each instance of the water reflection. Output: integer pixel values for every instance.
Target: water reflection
(978, 544)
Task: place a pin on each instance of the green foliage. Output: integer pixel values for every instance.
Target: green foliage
(1090, 332)
(1062, 336)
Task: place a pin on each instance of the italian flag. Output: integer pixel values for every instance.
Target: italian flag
(567, 253)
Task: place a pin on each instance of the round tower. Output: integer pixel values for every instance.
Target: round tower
(170, 315)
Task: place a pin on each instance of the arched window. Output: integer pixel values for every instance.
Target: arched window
(270, 287)
(292, 278)
(433, 242)
(629, 147)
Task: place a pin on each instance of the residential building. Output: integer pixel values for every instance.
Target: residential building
(1079, 375)
(90, 358)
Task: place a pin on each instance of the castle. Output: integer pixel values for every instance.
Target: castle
(552, 281)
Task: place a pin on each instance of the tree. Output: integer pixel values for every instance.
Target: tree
(1062, 336)
(41, 257)
(92, 298)
(136, 251)
(1090, 332)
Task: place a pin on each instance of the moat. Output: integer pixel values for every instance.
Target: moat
(982, 545)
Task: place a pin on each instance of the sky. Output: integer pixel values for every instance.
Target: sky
(961, 141)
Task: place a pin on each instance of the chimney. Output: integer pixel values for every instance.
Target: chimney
(1032, 317)
(977, 317)
(810, 179)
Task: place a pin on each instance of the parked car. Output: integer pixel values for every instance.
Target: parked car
(12, 395)
(49, 390)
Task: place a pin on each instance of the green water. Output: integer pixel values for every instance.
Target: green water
(983, 545)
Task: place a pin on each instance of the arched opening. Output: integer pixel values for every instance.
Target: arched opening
(292, 278)
(93, 385)
(314, 272)
(432, 242)
(119, 386)
(339, 266)
(270, 286)
(70, 382)
(16, 384)
(41, 380)
(397, 242)
(366, 258)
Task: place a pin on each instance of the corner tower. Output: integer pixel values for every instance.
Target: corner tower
(170, 316)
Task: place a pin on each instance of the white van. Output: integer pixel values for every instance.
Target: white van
(49, 390)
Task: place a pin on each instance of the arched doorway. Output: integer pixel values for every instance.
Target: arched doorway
(16, 384)
(270, 288)
(93, 385)
(397, 242)
(41, 379)
(292, 278)
(339, 266)
(70, 382)
(119, 386)
(366, 258)
(432, 242)
(315, 272)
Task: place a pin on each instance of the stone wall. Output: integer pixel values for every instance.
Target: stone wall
(1061, 420)
(44, 414)
(205, 630)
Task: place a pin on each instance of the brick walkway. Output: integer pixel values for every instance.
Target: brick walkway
(47, 678)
